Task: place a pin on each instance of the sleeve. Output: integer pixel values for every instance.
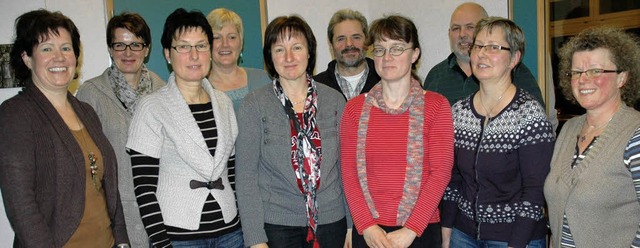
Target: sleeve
(145, 131)
(632, 161)
(523, 78)
(248, 150)
(18, 177)
(438, 150)
(340, 109)
(449, 208)
(360, 213)
(534, 158)
(145, 180)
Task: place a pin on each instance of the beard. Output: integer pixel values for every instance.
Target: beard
(350, 62)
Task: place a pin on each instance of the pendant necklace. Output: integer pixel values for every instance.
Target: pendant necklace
(592, 128)
(93, 159)
(496, 104)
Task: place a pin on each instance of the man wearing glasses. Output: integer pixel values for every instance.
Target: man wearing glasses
(452, 77)
(350, 72)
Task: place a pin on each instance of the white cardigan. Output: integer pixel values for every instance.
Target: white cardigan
(163, 127)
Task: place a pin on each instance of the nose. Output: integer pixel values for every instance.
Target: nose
(193, 54)
(224, 41)
(288, 56)
(349, 42)
(58, 56)
(128, 51)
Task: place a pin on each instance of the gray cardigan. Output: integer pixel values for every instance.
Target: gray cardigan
(266, 184)
(598, 195)
(115, 120)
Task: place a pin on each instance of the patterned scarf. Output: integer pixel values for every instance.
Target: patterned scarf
(307, 157)
(414, 102)
(127, 95)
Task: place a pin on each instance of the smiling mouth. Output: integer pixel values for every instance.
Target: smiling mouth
(58, 69)
(586, 92)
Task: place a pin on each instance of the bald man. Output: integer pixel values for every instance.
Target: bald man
(452, 77)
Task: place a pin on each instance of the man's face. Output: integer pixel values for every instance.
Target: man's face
(463, 23)
(348, 43)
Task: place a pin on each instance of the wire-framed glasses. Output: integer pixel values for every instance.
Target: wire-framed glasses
(591, 73)
(394, 50)
(490, 49)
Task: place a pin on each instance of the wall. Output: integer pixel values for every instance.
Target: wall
(431, 17)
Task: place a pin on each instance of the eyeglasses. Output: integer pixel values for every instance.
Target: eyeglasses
(490, 49)
(394, 50)
(187, 48)
(121, 46)
(591, 73)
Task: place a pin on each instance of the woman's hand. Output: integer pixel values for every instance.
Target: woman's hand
(446, 236)
(347, 239)
(261, 245)
(375, 237)
(402, 237)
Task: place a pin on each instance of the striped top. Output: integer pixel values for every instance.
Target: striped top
(632, 161)
(145, 174)
(386, 155)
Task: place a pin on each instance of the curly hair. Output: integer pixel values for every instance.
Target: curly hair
(625, 54)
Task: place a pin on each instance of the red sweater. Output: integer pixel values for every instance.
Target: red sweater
(386, 155)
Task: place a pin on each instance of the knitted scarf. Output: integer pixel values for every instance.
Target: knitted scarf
(306, 159)
(414, 103)
(127, 95)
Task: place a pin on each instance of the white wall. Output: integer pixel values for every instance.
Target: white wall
(430, 16)
(90, 18)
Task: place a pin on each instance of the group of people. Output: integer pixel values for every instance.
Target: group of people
(363, 154)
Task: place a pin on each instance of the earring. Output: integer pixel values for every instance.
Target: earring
(169, 61)
(240, 60)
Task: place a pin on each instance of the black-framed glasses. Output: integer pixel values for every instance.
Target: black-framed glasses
(394, 50)
(134, 46)
(491, 49)
(591, 73)
(187, 48)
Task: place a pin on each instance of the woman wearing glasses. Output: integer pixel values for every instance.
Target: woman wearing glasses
(181, 143)
(396, 146)
(593, 188)
(114, 95)
(503, 146)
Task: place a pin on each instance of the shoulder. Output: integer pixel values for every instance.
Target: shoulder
(432, 97)
(322, 77)
(157, 82)
(93, 84)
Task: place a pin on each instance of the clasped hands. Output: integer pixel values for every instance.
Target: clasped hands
(376, 237)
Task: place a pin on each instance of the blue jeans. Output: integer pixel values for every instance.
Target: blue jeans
(460, 239)
(329, 235)
(229, 240)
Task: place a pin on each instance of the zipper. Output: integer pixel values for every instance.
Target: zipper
(475, 168)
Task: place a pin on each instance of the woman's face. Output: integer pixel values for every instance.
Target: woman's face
(194, 65)
(127, 61)
(290, 55)
(596, 91)
(227, 45)
(53, 61)
(490, 65)
(392, 68)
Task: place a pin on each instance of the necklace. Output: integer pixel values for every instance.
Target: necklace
(298, 102)
(592, 128)
(496, 104)
(93, 159)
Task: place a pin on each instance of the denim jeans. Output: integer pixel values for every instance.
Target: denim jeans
(229, 240)
(460, 239)
(329, 235)
(431, 237)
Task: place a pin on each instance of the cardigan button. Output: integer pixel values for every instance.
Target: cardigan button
(266, 130)
(264, 119)
(266, 141)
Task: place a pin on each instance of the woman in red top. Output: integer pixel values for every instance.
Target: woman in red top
(396, 147)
